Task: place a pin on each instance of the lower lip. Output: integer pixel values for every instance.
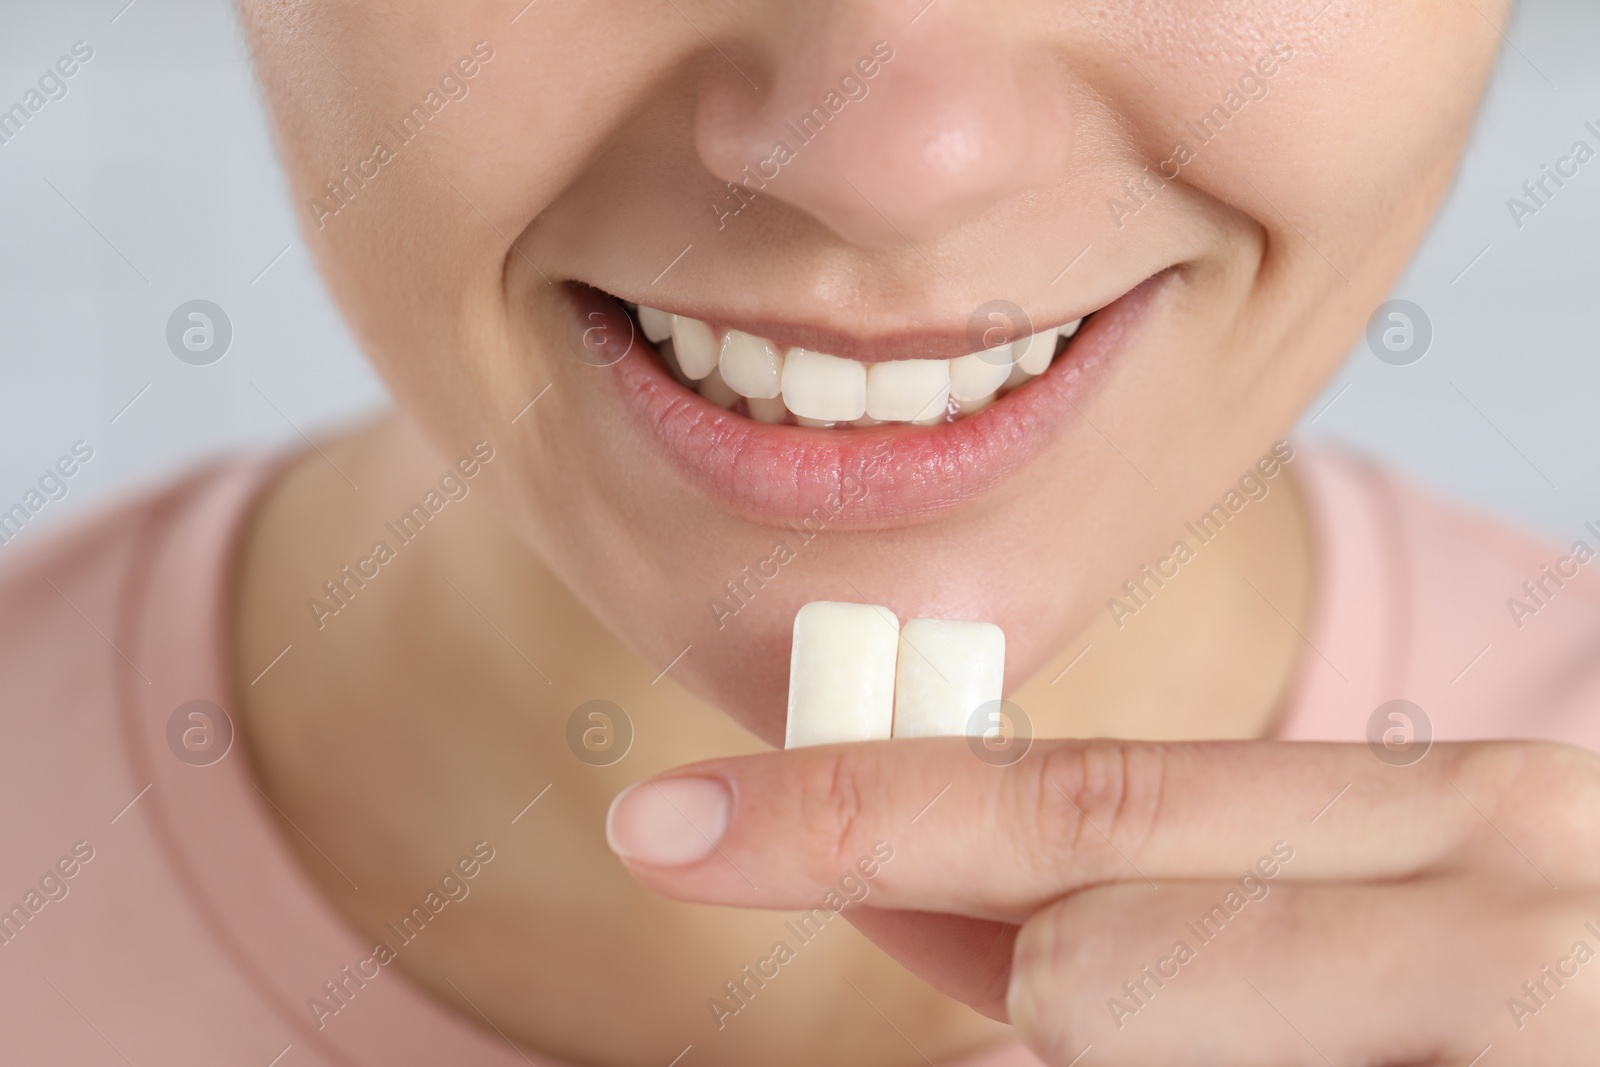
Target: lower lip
(863, 478)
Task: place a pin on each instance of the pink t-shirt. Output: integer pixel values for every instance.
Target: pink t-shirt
(188, 935)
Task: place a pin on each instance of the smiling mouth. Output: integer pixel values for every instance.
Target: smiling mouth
(773, 426)
(771, 383)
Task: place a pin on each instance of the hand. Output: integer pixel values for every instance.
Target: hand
(1230, 903)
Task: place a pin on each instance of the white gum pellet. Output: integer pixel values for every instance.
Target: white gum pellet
(946, 671)
(842, 674)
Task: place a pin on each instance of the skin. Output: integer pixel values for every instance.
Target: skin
(1057, 881)
(433, 707)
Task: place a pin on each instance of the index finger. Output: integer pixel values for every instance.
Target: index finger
(925, 826)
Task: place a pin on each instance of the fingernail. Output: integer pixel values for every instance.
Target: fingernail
(669, 823)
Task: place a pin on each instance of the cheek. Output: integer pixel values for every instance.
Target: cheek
(1325, 146)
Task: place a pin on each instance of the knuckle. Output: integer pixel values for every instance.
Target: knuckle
(834, 793)
(1096, 804)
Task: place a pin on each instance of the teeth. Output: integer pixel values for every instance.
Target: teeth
(905, 390)
(841, 674)
(714, 389)
(1034, 353)
(751, 365)
(946, 671)
(670, 356)
(972, 376)
(823, 387)
(696, 346)
(657, 325)
(972, 407)
(767, 410)
(818, 390)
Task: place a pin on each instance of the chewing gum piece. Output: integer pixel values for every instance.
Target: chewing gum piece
(946, 671)
(841, 674)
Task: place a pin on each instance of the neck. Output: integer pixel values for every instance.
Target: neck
(1205, 649)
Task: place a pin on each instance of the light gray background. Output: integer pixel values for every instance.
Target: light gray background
(154, 182)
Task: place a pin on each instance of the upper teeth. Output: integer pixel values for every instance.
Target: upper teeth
(1034, 353)
(657, 325)
(823, 387)
(908, 390)
(820, 389)
(695, 346)
(752, 365)
(978, 374)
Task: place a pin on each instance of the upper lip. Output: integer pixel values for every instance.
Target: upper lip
(911, 342)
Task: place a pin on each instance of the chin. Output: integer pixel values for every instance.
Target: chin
(702, 517)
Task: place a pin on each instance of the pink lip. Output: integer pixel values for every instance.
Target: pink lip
(888, 475)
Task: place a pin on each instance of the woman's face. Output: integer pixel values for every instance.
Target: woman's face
(1227, 188)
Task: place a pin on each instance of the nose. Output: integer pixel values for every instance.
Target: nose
(902, 134)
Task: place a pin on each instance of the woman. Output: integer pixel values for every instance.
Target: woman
(331, 758)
